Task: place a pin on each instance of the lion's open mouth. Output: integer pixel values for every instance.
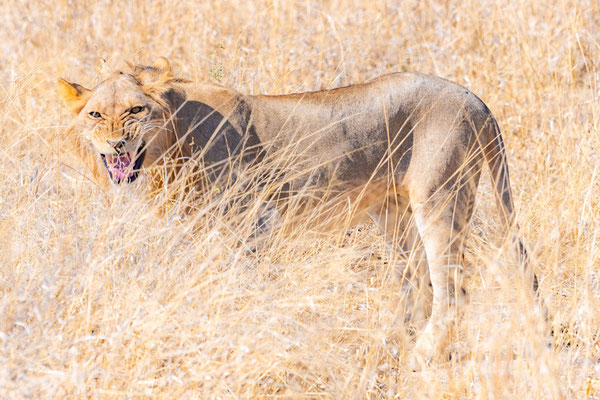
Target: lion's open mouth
(125, 166)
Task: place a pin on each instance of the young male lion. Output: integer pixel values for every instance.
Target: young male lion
(404, 147)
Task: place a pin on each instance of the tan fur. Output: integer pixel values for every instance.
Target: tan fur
(406, 149)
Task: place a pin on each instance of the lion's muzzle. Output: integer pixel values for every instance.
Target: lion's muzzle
(124, 167)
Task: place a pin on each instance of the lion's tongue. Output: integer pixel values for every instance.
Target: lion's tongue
(118, 165)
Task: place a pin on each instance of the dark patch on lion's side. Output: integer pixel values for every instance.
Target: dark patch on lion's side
(205, 132)
(210, 134)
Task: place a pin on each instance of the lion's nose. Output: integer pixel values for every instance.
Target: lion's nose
(117, 144)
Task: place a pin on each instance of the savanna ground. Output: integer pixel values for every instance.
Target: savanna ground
(102, 298)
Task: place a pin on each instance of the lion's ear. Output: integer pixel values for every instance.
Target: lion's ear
(73, 95)
(162, 63)
(157, 78)
(156, 74)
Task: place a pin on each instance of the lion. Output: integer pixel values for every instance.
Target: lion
(405, 149)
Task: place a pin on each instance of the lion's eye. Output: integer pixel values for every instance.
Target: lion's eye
(95, 114)
(137, 109)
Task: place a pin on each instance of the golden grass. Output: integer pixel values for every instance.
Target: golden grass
(100, 298)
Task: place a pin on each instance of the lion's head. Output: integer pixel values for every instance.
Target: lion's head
(122, 124)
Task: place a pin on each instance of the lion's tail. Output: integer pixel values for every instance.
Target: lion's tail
(495, 155)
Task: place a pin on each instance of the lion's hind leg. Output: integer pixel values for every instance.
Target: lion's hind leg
(442, 219)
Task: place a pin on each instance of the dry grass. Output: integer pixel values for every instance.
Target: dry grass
(100, 298)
